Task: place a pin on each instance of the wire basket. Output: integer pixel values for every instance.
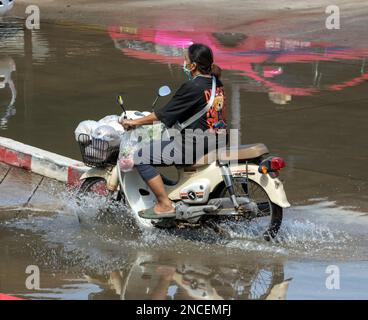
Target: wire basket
(97, 152)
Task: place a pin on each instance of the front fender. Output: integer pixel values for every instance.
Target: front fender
(96, 172)
(273, 186)
(110, 175)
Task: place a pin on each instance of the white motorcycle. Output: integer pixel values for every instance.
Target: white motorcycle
(206, 193)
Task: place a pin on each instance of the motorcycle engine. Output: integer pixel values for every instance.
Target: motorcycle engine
(196, 193)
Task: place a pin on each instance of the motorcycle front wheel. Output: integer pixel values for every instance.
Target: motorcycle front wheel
(97, 186)
(93, 195)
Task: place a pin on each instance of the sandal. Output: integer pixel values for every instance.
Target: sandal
(151, 214)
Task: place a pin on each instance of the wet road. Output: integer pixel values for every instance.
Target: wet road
(307, 100)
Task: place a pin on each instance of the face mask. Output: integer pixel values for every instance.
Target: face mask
(187, 71)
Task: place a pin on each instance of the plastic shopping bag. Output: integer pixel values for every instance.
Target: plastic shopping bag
(85, 127)
(107, 133)
(128, 147)
(113, 121)
(133, 140)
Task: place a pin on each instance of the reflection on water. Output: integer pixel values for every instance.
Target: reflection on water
(6, 6)
(103, 260)
(16, 40)
(265, 63)
(7, 110)
(107, 257)
(186, 278)
(136, 274)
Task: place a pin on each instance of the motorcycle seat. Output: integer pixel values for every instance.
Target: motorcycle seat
(242, 152)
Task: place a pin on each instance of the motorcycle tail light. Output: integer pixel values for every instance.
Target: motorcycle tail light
(271, 165)
(277, 163)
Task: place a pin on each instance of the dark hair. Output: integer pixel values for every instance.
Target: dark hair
(202, 55)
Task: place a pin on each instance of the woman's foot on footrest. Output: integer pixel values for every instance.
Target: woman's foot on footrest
(151, 214)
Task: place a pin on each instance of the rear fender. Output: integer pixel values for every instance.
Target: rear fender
(273, 186)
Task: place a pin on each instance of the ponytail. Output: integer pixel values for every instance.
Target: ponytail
(216, 71)
(202, 55)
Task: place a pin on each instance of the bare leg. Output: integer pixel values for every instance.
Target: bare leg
(164, 204)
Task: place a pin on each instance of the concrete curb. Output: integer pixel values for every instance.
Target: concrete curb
(42, 162)
(7, 297)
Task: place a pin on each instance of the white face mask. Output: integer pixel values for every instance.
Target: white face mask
(187, 71)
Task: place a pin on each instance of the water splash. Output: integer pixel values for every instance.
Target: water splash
(107, 235)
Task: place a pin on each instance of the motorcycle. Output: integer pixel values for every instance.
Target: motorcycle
(210, 191)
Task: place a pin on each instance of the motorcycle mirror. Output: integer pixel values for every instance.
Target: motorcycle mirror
(120, 102)
(164, 91)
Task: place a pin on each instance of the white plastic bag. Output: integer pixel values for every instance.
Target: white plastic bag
(133, 140)
(128, 147)
(85, 127)
(107, 133)
(109, 119)
(112, 121)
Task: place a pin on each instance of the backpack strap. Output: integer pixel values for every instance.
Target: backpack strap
(198, 115)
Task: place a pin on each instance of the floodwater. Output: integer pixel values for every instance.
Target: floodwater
(307, 101)
(109, 258)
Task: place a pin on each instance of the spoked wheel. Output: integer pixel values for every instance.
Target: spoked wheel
(264, 280)
(255, 284)
(261, 204)
(97, 187)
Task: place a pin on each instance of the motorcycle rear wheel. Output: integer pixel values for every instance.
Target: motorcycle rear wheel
(265, 207)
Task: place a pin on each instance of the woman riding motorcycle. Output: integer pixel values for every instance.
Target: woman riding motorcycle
(190, 100)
